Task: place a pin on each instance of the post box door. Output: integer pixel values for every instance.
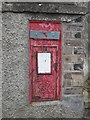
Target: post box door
(44, 83)
(45, 61)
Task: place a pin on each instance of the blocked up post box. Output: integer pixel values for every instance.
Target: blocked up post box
(45, 60)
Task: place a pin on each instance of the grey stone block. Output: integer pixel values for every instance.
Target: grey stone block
(58, 7)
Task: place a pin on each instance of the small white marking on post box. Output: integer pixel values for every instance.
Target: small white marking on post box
(44, 63)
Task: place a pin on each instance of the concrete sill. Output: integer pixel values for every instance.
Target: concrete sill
(46, 103)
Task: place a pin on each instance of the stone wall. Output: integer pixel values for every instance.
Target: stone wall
(87, 82)
(0, 61)
(89, 35)
(15, 45)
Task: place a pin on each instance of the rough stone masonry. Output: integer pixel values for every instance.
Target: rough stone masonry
(15, 46)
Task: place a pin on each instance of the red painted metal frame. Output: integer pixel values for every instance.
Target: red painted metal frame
(33, 25)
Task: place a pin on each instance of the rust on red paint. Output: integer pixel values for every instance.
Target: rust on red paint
(45, 86)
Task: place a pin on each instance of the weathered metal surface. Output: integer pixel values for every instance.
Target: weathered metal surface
(45, 62)
(44, 34)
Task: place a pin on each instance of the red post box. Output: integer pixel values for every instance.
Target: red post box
(45, 40)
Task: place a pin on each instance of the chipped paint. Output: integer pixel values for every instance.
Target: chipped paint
(40, 4)
(47, 62)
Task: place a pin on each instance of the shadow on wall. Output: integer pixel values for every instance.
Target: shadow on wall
(86, 88)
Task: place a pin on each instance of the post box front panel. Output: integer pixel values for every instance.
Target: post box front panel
(45, 61)
(44, 81)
